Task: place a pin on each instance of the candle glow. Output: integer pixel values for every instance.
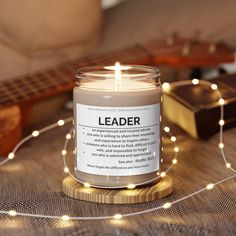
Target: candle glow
(117, 75)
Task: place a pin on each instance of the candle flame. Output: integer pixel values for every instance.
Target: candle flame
(117, 71)
(117, 76)
(117, 68)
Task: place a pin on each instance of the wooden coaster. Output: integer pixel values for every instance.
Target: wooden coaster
(75, 189)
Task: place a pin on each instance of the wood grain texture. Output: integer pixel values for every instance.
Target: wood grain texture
(74, 189)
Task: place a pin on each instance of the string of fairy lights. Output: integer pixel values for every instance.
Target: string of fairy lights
(166, 87)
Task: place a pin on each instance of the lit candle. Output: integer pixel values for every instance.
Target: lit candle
(117, 111)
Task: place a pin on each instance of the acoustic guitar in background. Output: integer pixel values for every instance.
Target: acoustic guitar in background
(18, 95)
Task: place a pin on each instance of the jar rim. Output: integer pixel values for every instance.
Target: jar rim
(108, 72)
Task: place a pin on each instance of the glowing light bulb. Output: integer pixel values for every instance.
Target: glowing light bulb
(68, 136)
(131, 186)
(167, 205)
(228, 165)
(210, 186)
(195, 81)
(174, 161)
(63, 152)
(117, 216)
(221, 122)
(176, 149)
(167, 129)
(35, 133)
(87, 185)
(173, 138)
(163, 174)
(12, 213)
(165, 87)
(214, 86)
(61, 122)
(11, 155)
(221, 145)
(221, 101)
(66, 170)
(65, 217)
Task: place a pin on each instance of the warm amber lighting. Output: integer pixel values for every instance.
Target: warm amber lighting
(174, 161)
(163, 174)
(35, 133)
(214, 86)
(122, 67)
(176, 149)
(221, 101)
(167, 129)
(195, 81)
(221, 122)
(61, 122)
(210, 186)
(117, 216)
(221, 145)
(63, 152)
(167, 205)
(87, 185)
(117, 71)
(165, 87)
(228, 165)
(65, 217)
(12, 213)
(11, 155)
(173, 138)
(131, 186)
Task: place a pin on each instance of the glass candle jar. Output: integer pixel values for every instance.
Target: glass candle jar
(117, 118)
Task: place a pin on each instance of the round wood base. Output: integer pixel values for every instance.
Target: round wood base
(75, 189)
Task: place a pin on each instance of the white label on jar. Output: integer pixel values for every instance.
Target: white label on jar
(118, 141)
